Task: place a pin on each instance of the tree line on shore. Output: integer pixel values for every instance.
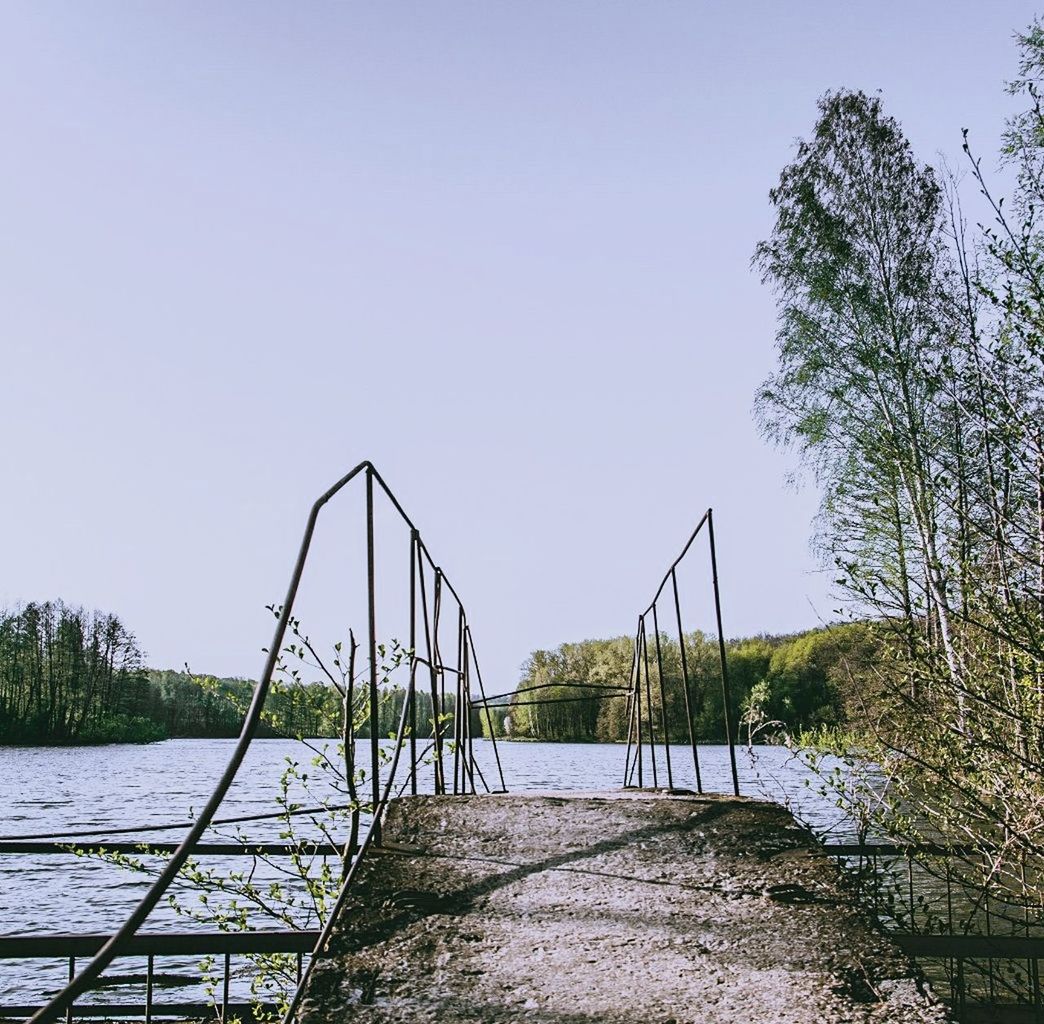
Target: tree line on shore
(72, 676)
(69, 676)
(777, 685)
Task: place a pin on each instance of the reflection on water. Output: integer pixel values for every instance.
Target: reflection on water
(72, 789)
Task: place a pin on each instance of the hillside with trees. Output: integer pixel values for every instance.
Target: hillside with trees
(72, 676)
(779, 685)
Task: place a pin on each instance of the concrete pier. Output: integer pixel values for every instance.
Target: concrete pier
(610, 908)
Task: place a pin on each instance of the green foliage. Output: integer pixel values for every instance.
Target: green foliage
(910, 382)
(71, 676)
(797, 682)
(321, 795)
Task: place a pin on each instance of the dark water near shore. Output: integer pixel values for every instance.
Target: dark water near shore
(48, 789)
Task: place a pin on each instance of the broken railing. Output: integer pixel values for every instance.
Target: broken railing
(449, 749)
(978, 944)
(641, 710)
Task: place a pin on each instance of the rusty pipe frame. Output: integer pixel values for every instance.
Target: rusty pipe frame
(641, 660)
(685, 683)
(485, 702)
(83, 981)
(725, 689)
(663, 698)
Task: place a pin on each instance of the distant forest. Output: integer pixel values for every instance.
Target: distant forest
(777, 684)
(72, 676)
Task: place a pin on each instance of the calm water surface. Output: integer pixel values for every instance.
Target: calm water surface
(69, 789)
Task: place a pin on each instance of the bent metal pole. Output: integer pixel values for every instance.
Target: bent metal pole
(86, 978)
(725, 692)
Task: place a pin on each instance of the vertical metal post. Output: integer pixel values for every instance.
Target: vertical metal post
(685, 683)
(485, 708)
(225, 987)
(721, 654)
(467, 707)
(440, 782)
(910, 891)
(371, 595)
(638, 695)
(649, 707)
(413, 662)
(440, 695)
(663, 699)
(1032, 968)
(149, 975)
(989, 931)
(630, 723)
(458, 708)
(648, 701)
(72, 974)
(949, 918)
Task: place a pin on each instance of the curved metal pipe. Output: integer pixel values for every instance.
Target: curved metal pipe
(92, 971)
(675, 563)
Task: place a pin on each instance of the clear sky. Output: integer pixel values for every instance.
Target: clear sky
(501, 249)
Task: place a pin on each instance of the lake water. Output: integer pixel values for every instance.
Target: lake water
(63, 790)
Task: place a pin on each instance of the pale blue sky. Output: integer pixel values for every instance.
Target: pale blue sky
(499, 248)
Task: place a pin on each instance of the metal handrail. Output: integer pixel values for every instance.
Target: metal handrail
(158, 944)
(148, 849)
(640, 671)
(118, 942)
(464, 764)
(38, 947)
(890, 849)
(167, 826)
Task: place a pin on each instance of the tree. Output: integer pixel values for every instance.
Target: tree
(71, 676)
(910, 382)
(859, 263)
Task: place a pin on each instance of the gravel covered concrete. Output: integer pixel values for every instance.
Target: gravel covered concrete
(623, 907)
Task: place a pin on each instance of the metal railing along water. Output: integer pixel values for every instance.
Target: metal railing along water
(943, 904)
(451, 749)
(643, 733)
(971, 962)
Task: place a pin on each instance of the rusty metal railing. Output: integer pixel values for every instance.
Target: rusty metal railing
(455, 767)
(975, 937)
(641, 734)
(465, 766)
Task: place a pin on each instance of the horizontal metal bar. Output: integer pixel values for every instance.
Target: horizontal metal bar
(32, 947)
(558, 700)
(438, 668)
(677, 561)
(197, 1011)
(437, 568)
(549, 686)
(104, 830)
(201, 849)
(965, 947)
(901, 849)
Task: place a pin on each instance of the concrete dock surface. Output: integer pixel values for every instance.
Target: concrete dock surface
(609, 907)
